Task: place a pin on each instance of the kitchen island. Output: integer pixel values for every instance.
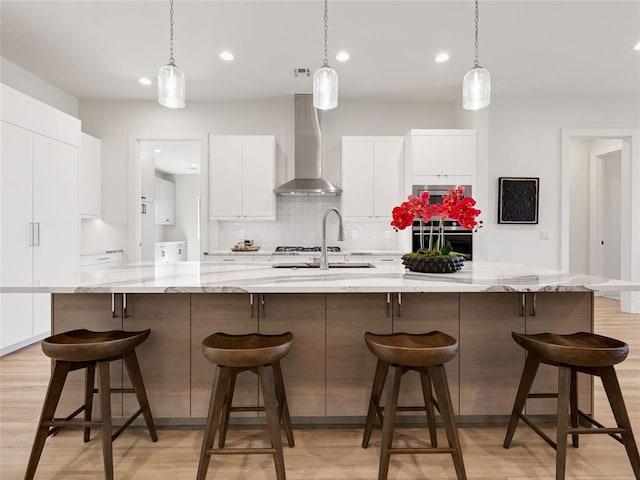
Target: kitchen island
(329, 370)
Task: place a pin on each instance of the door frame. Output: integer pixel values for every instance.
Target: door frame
(134, 236)
(630, 205)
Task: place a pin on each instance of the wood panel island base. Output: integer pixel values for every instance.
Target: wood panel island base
(329, 371)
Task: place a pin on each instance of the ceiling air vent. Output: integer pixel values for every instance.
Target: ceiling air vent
(301, 72)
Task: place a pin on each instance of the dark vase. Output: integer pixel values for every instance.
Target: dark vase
(426, 264)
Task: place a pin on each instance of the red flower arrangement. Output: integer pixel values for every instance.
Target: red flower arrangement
(454, 206)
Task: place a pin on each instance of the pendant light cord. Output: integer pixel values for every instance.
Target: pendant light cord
(325, 63)
(171, 60)
(476, 63)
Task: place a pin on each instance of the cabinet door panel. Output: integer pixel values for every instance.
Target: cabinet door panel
(90, 176)
(303, 368)
(350, 364)
(16, 252)
(457, 155)
(258, 176)
(421, 313)
(388, 168)
(93, 311)
(225, 176)
(566, 312)
(426, 154)
(357, 178)
(221, 312)
(164, 356)
(490, 361)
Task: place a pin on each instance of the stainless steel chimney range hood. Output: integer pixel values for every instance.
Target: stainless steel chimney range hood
(308, 154)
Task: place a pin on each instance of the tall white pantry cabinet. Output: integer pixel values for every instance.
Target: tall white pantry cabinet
(39, 210)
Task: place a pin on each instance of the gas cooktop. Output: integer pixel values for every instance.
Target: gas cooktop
(287, 249)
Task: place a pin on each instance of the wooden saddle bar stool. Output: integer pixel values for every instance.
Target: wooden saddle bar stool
(78, 349)
(261, 355)
(425, 353)
(579, 352)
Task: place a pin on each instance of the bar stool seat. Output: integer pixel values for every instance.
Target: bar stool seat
(234, 354)
(578, 352)
(78, 349)
(425, 353)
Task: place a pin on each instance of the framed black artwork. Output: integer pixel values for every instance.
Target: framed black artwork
(518, 199)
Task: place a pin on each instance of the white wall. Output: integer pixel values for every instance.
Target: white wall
(29, 84)
(579, 224)
(112, 121)
(525, 141)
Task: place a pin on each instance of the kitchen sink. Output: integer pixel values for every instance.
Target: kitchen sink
(317, 265)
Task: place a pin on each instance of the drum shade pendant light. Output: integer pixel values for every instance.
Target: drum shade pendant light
(325, 80)
(476, 85)
(171, 82)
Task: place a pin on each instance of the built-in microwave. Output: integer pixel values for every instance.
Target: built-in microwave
(460, 239)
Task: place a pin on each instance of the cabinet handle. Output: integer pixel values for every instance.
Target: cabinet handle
(37, 235)
(399, 303)
(264, 310)
(251, 305)
(533, 305)
(113, 306)
(522, 305)
(388, 304)
(124, 305)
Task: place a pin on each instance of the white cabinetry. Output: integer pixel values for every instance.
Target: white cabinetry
(372, 175)
(90, 176)
(40, 215)
(169, 252)
(100, 261)
(165, 202)
(441, 156)
(242, 177)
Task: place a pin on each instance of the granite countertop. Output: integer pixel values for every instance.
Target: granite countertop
(272, 252)
(203, 277)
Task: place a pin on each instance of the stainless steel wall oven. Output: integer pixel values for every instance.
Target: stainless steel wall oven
(460, 239)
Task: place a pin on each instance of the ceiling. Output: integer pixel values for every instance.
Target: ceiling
(98, 49)
(177, 157)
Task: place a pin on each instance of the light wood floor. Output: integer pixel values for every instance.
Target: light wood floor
(320, 453)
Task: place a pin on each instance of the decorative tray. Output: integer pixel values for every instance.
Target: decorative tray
(245, 249)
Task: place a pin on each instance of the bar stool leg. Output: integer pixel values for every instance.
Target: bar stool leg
(133, 369)
(218, 392)
(104, 385)
(374, 400)
(614, 394)
(528, 375)
(228, 401)
(89, 384)
(58, 377)
(564, 393)
(391, 405)
(270, 406)
(283, 406)
(425, 379)
(439, 377)
(574, 407)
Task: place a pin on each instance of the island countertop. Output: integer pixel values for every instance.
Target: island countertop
(202, 277)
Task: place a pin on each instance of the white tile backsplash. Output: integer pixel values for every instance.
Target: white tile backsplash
(299, 223)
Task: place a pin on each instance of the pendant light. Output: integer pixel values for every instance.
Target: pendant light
(171, 82)
(325, 80)
(476, 85)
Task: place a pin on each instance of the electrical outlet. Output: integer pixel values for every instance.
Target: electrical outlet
(354, 234)
(123, 221)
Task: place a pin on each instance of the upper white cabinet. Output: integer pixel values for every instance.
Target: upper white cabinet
(372, 175)
(90, 176)
(40, 214)
(242, 177)
(165, 202)
(441, 156)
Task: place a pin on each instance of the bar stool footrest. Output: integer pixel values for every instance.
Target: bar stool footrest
(412, 450)
(239, 451)
(536, 429)
(126, 424)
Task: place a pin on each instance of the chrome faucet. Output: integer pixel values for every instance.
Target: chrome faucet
(324, 263)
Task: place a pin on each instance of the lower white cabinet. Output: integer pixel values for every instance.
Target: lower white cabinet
(100, 261)
(169, 252)
(372, 175)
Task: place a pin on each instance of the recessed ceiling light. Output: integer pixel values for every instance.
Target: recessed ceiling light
(342, 56)
(636, 46)
(442, 57)
(156, 150)
(226, 56)
(145, 81)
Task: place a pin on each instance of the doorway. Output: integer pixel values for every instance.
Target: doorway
(167, 196)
